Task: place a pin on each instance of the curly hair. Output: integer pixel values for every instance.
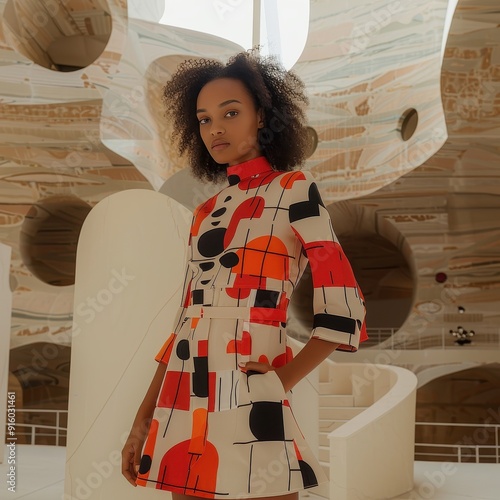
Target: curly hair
(278, 92)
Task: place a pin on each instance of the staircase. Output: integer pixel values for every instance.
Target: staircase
(334, 410)
(360, 417)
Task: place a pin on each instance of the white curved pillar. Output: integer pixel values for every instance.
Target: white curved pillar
(130, 270)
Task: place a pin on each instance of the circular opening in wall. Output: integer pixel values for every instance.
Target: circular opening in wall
(49, 237)
(13, 283)
(312, 141)
(408, 123)
(57, 37)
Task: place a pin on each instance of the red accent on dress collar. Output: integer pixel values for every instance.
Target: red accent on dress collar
(250, 168)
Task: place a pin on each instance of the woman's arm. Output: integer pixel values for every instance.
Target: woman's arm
(310, 356)
(131, 452)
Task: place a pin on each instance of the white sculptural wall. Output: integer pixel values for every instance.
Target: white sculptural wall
(130, 270)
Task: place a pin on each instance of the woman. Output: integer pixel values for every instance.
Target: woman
(216, 421)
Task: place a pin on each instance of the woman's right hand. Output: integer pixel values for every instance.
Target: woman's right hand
(131, 457)
(131, 452)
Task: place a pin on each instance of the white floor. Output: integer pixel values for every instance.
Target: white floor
(40, 476)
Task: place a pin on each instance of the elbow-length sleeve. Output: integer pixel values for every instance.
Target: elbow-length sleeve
(339, 307)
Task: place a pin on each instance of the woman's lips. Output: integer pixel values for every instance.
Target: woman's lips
(218, 146)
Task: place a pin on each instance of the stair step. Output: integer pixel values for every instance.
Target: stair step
(323, 439)
(324, 454)
(330, 388)
(326, 468)
(328, 425)
(323, 436)
(340, 413)
(336, 400)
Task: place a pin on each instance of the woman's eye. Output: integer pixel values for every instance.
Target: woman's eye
(202, 121)
(231, 113)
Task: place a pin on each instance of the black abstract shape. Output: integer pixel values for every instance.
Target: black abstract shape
(266, 421)
(266, 298)
(334, 322)
(219, 212)
(233, 179)
(309, 478)
(205, 282)
(229, 260)
(182, 350)
(200, 377)
(227, 198)
(206, 266)
(216, 223)
(145, 464)
(197, 296)
(309, 208)
(211, 243)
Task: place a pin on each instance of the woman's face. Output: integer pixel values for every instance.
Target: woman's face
(228, 121)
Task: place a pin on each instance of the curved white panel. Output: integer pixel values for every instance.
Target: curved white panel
(130, 269)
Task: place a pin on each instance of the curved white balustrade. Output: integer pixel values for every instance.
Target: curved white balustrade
(369, 456)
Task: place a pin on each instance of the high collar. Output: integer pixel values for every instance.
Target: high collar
(250, 168)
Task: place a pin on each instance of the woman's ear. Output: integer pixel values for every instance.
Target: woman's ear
(260, 114)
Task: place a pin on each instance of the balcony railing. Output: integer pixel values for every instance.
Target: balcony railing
(28, 431)
(479, 444)
(482, 447)
(393, 339)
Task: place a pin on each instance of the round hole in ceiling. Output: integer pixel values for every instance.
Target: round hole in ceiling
(58, 35)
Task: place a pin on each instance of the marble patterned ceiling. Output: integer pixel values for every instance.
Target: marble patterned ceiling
(93, 131)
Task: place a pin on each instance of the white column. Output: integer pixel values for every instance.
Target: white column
(5, 313)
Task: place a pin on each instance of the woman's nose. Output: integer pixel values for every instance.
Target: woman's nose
(217, 129)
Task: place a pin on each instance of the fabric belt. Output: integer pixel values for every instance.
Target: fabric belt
(236, 312)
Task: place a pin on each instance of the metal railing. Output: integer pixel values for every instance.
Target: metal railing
(459, 451)
(482, 447)
(393, 339)
(56, 432)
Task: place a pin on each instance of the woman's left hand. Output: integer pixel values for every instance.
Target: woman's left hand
(257, 366)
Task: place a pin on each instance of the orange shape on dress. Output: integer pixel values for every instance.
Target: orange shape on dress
(242, 346)
(263, 256)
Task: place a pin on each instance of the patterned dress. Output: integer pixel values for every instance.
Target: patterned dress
(218, 432)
